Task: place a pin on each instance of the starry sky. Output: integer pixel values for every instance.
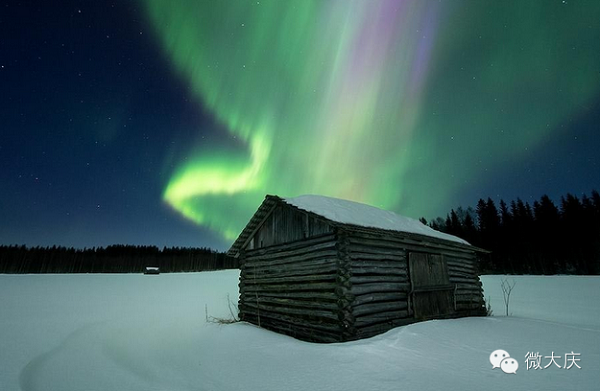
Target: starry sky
(166, 122)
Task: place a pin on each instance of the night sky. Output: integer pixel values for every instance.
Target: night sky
(166, 122)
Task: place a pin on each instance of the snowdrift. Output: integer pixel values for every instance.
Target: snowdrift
(134, 332)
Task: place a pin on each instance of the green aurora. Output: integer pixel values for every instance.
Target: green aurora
(398, 104)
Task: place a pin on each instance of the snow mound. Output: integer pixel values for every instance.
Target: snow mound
(350, 212)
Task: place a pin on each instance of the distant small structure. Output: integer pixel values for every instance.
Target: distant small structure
(151, 270)
(328, 270)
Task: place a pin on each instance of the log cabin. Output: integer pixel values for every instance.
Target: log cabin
(322, 269)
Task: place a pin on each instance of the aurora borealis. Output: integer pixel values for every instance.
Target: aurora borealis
(351, 100)
(312, 108)
(203, 107)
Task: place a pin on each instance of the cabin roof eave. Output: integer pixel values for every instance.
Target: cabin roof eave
(271, 201)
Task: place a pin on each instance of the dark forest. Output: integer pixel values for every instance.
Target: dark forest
(112, 259)
(538, 238)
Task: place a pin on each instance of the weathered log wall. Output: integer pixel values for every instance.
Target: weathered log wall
(295, 289)
(381, 284)
(346, 285)
(284, 225)
(462, 269)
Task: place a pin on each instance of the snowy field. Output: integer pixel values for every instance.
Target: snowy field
(135, 332)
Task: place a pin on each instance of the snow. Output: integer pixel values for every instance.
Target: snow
(131, 332)
(349, 212)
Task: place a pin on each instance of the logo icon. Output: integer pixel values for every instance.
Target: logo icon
(501, 359)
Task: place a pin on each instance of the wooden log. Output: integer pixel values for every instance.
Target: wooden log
(317, 263)
(471, 287)
(461, 265)
(474, 289)
(412, 244)
(363, 278)
(469, 259)
(463, 294)
(461, 274)
(468, 298)
(358, 266)
(312, 313)
(292, 270)
(293, 248)
(361, 289)
(425, 241)
(293, 273)
(291, 322)
(317, 256)
(371, 319)
(464, 280)
(379, 308)
(377, 297)
(321, 296)
(306, 313)
(328, 286)
(421, 243)
(376, 253)
(290, 279)
(316, 304)
(314, 287)
(388, 243)
(299, 331)
(319, 273)
(378, 279)
(293, 244)
(399, 255)
(470, 293)
(376, 257)
(381, 252)
(462, 270)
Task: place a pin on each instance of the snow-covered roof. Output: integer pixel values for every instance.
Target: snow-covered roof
(354, 213)
(342, 212)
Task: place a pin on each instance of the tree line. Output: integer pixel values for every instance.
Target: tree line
(111, 259)
(538, 238)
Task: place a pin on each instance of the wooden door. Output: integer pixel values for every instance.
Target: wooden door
(432, 294)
